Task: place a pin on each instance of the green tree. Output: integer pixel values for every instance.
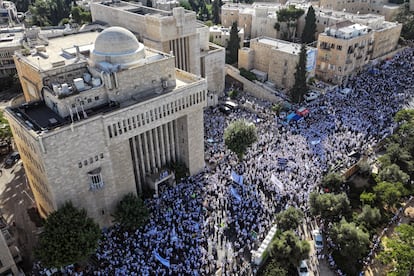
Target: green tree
(367, 198)
(300, 87)
(80, 16)
(185, 4)
(406, 17)
(389, 193)
(131, 212)
(332, 181)
(329, 206)
(216, 11)
(393, 173)
(289, 219)
(5, 131)
(274, 268)
(288, 249)
(233, 45)
(203, 13)
(369, 217)
(289, 17)
(309, 30)
(399, 251)
(351, 242)
(49, 12)
(69, 236)
(238, 136)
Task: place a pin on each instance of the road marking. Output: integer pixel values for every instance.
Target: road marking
(29, 196)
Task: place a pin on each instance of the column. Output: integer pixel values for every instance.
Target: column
(172, 141)
(162, 145)
(141, 155)
(134, 150)
(147, 155)
(151, 148)
(167, 142)
(157, 148)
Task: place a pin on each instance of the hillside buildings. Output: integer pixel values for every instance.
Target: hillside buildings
(343, 49)
(103, 116)
(175, 31)
(275, 60)
(382, 7)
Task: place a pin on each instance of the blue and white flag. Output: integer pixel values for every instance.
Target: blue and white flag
(161, 259)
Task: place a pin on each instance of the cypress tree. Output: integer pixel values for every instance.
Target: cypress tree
(300, 87)
(233, 45)
(309, 30)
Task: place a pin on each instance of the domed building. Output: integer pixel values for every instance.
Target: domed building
(117, 46)
(103, 118)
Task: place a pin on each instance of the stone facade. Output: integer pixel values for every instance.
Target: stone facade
(8, 266)
(94, 131)
(175, 31)
(343, 50)
(276, 58)
(362, 7)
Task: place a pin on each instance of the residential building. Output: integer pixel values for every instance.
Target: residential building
(7, 263)
(175, 31)
(103, 116)
(221, 35)
(382, 7)
(343, 49)
(11, 39)
(275, 60)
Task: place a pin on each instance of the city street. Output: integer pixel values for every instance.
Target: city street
(17, 207)
(17, 203)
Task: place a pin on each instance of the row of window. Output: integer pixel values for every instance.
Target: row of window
(154, 114)
(38, 185)
(24, 138)
(89, 161)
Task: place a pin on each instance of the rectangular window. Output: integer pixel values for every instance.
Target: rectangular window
(95, 179)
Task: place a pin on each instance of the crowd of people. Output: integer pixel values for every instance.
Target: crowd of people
(210, 222)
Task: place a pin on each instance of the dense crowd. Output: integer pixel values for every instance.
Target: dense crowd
(209, 222)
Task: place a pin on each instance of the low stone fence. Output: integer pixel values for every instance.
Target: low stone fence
(257, 90)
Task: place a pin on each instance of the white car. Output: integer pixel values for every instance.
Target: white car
(310, 96)
(317, 237)
(303, 269)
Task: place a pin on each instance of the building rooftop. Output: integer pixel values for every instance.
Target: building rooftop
(281, 45)
(346, 30)
(11, 37)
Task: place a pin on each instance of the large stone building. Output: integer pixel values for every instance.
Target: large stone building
(175, 31)
(221, 35)
(275, 60)
(382, 7)
(343, 49)
(7, 262)
(103, 116)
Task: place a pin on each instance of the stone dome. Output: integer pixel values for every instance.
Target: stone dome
(117, 45)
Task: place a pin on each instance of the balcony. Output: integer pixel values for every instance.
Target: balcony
(348, 61)
(359, 57)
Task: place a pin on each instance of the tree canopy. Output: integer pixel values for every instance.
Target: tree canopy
(332, 181)
(238, 136)
(369, 217)
(300, 86)
(406, 17)
(289, 17)
(393, 173)
(288, 249)
(131, 212)
(351, 242)
(233, 45)
(399, 250)
(389, 193)
(274, 268)
(69, 236)
(216, 9)
(329, 206)
(289, 219)
(5, 131)
(308, 34)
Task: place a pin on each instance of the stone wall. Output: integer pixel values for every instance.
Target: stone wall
(251, 87)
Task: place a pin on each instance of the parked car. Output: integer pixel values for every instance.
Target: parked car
(12, 159)
(310, 96)
(303, 269)
(317, 237)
